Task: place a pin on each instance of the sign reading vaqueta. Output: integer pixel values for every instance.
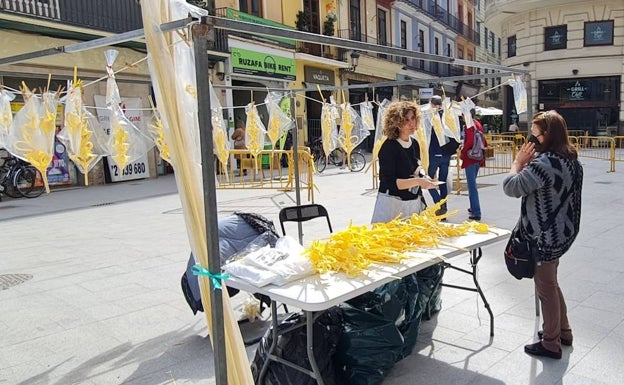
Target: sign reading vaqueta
(262, 64)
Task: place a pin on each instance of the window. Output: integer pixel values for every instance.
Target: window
(251, 7)
(382, 38)
(511, 46)
(403, 39)
(421, 46)
(485, 38)
(492, 42)
(355, 21)
(555, 37)
(498, 40)
(598, 33)
(478, 34)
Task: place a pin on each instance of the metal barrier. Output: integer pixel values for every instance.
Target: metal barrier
(598, 147)
(265, 171)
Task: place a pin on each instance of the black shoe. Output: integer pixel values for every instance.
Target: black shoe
(564, 341)
(537, 349)
(474, 218)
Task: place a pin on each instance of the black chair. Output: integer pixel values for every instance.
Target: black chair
(303, 213)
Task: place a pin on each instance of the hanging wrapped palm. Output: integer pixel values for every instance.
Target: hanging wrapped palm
(380, 138)
(352, 131)
(157, 133)
(172, 70)
(450, 118)
(366, 112)
(220, 140)
(329, 127)
(6, 116)
(127, 142)
(254, 132)
(32, 136)
(279, 122)
(467, 105)
(519, 92)
(80, 133)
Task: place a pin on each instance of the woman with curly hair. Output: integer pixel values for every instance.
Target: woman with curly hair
(399, 171)
(548, 177)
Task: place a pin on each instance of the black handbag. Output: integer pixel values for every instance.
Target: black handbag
(522, 251)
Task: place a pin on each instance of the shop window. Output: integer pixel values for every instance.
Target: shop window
(598, 33)
(511, 46)
(555, 37)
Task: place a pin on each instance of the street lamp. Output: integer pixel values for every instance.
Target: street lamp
(355, 57)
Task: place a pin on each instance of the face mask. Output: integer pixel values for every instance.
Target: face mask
(533, 139)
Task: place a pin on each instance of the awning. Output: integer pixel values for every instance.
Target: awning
(488, 111)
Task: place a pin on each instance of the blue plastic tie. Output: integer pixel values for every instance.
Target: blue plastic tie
(216, 278)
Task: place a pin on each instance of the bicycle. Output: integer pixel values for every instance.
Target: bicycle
(19, 178)
(336, 157)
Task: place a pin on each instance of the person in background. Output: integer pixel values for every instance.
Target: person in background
(513, 127)
(550, 186)
(471, 169)
(440, 158)
(399, 156)
(238, 136)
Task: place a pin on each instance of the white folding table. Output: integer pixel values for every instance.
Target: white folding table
(316, 293)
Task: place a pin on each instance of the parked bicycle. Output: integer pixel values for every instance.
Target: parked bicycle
(19, 178)
(337, 157)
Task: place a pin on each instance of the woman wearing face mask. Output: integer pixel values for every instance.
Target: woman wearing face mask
(549, 184)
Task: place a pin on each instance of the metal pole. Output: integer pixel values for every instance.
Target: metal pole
(201, 33)
(529, 90)
(295, 140)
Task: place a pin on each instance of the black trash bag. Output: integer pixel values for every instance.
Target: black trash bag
(430, 284)
(292, 346)
(380, 328)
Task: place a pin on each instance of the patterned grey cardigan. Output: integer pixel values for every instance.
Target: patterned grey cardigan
(542, 184)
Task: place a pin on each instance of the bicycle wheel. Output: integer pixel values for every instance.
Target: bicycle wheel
(320, 161)
(358, 161)
(336, 156)
(25, 181)
(9, 190)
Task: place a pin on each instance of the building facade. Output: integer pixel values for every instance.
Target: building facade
(573, 51)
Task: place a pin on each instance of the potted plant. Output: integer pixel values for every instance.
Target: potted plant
(328, 26)
(302, 23)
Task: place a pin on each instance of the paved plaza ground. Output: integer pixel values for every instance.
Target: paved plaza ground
(104, 304)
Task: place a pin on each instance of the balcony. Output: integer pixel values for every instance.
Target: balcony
(114, 16)
(431, 8)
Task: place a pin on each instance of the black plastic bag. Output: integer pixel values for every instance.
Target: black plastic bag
(430, 285)
(380, 328)
(292, 346)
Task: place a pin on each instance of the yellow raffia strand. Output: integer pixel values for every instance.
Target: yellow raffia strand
(326, 128)
(274, 128)
(191, 90)
(220, 145)
(354, 249)
(120, 145)
(424, 147)
(369, 121)
(159, 140)
(6, 118)
(437, 124)
(450, 121)
(252, 131)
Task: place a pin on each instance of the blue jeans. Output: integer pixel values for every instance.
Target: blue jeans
(441, 163)
(473, 193)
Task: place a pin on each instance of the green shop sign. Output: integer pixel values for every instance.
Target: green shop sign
(242, 16)
(262, 64)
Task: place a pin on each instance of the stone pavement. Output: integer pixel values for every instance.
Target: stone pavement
(101, 300)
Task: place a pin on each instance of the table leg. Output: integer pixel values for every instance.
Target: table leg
(267, 360)
(475, 256)
(310, 342)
